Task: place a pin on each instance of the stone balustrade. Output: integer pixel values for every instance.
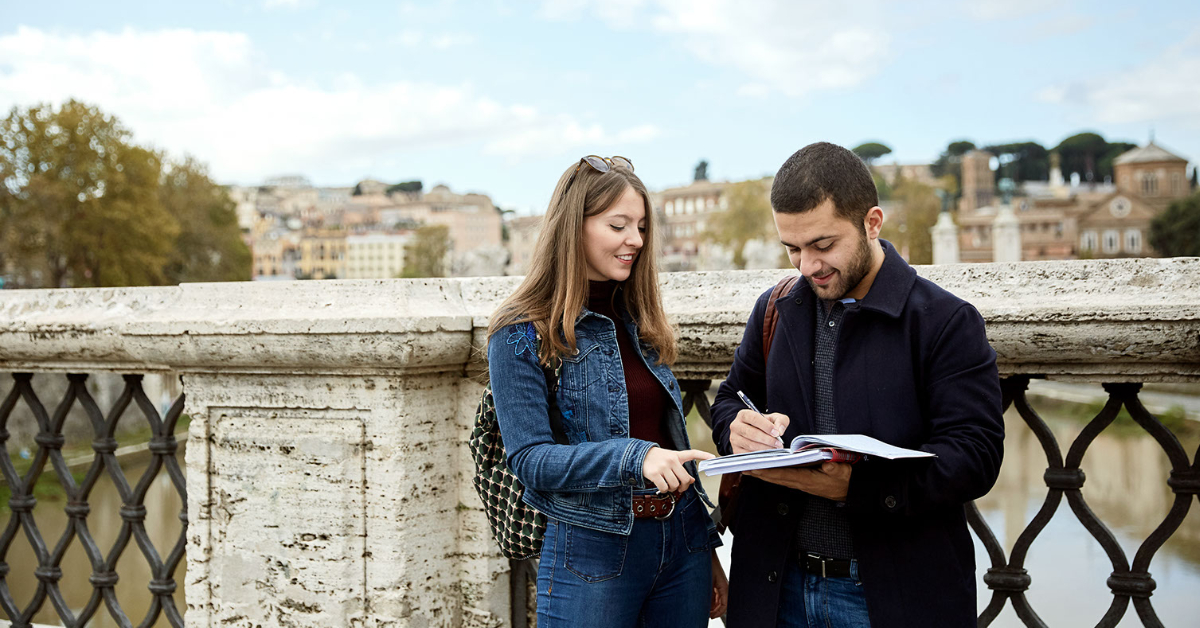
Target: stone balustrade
(328, 479)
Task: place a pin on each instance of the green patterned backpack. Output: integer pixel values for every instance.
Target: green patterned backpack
(517, 527)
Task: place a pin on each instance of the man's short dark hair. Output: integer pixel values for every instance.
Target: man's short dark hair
(825, 171)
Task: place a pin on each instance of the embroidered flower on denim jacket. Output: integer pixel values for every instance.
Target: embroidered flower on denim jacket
(524, 339)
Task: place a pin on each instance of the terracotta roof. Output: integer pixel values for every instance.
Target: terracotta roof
(1149, 153)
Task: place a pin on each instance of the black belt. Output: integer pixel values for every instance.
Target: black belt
(825, 567)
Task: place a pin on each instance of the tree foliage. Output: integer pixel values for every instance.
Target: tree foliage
(747, 217)
(82, 205)
(871, 151)
(210, 245)
(1021, 161)
(950, 161)
(1090, 155)
(406, 186)
(425, 255)
(918, 206)
(1176, 231)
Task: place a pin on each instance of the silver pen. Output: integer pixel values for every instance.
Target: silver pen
(750, 404)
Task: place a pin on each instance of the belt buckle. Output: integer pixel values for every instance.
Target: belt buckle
(819, 560)
(667, 515)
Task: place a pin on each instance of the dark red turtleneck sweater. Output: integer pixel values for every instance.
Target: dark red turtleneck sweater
(647, 399)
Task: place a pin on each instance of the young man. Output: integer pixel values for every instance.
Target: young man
(862, 346)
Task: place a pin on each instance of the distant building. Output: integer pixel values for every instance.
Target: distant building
(375, 255)
(322, 255)
(473, 220)
(891, 173)
(522, 238)
(274, 254)
(1061, 220)
(978, 182)
(684, 211)
(245, 201)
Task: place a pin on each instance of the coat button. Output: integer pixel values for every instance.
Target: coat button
(772, 577)
(889, 501)
(671, 385)
(782, 508)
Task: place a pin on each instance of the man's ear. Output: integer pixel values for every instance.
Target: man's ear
(873, 223)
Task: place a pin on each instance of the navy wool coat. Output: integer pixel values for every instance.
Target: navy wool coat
(913, 368)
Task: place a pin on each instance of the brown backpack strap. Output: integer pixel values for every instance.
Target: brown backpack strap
(731, 483)
(771, 316)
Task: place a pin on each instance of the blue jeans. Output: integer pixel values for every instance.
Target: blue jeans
(810, 601)
(659, 575)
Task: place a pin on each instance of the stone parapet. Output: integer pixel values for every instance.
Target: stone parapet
(1136, 320)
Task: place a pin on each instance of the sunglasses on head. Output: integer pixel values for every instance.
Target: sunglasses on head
(599, 164)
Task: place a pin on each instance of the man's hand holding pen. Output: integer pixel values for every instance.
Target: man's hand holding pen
(754, 431)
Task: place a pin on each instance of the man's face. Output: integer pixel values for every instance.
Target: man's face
(832, 253)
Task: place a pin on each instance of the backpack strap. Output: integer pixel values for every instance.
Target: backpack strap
(771, 316)
(731, 483)
(552, 375)
(556, 418)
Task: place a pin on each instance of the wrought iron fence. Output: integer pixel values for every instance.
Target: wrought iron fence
(50, 441)
(1007, 577)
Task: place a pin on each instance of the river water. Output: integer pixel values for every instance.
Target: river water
(104, 522)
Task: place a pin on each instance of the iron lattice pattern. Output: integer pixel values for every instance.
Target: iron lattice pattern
(1007, 577)
(50, 441)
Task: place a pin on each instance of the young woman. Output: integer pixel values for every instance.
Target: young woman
(629, 541)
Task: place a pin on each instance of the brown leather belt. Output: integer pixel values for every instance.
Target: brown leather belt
(658, 506)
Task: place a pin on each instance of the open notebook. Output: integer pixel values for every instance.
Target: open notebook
(809, 450)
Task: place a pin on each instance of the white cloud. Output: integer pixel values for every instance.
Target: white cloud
(785, 46)
(557, 134)
(213, 95)
(1165, 88)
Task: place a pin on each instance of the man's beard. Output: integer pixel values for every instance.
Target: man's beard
(849, 278)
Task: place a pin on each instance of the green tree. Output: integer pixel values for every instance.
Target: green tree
(1021, 161)
(1176, 231)
(917, 206)
(403, 186)
(871, 151)
(882, 186)
(79, 200)
(747, 217)
(209, 246)
(950, 161)
(1080, 154)
(82, 205)
(425, 255)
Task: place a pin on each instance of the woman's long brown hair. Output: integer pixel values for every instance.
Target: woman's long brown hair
(555, 289)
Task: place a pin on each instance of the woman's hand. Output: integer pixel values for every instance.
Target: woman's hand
(720, 589)
(664, 467)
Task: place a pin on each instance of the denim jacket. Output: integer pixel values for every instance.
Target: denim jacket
(590, 481)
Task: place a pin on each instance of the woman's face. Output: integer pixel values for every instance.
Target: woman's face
(612, 239)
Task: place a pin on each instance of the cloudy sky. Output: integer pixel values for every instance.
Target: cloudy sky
(499, 97)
